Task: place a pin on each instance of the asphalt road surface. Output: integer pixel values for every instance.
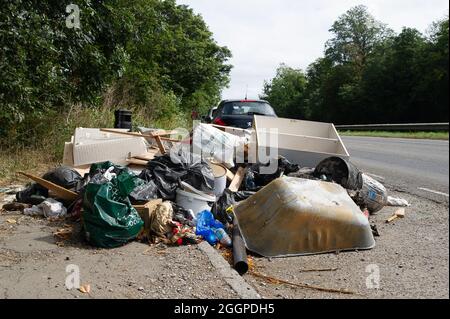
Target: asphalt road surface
(419, 167)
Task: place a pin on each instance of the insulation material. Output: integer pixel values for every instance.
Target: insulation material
(397, 202)
(293, 217)
(90, 145)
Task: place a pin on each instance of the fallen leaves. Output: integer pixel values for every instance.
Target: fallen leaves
(11, 221)
(86, 289)
(277, 281)
(63, 233)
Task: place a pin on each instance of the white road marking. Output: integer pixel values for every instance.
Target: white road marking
(376, 176)
(432, 191)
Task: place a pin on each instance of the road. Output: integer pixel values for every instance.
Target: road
(417, 167)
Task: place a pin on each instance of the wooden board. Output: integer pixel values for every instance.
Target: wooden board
(230, 175)
(238, 179)
(160, 144)
(136, 161)
(59, 191)
(135, 134)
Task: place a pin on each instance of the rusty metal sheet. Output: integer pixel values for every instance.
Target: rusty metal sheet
(294, 216)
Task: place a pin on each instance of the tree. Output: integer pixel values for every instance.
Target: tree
(391, 78)
(435, 85)
(356, 34)
(148, 54)
(371, 75)
(286, 92)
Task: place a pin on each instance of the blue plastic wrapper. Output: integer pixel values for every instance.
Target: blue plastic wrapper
(206, 224)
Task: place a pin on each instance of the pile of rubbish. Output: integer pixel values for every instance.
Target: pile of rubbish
(124, 186)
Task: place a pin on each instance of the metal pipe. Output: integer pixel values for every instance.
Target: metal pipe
(239, 251)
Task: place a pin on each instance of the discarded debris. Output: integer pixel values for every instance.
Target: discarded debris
(400, 213)
(90, 145)
(15, 207)
(319, 270)
(59, 191)
(63, 233)
(11, 190)
(86, 289)
(126, 186)
(109, 219)
(238, 179)
(397, 202)
(217, 144)
(240, 259)
(373, 195)
(167, 174)
(292, 217)
(341, 171)
(302, 142)
(48, 208)
(375, 231)
(277, 281)
(207, 227)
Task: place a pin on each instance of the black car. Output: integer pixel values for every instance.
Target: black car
(239, 113)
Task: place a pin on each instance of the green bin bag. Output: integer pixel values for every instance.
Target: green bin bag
(109, 219)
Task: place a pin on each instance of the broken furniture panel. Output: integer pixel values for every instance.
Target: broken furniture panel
(90, 145)
(302, 142)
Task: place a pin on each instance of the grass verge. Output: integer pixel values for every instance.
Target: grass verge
(41, 147)
(411, 135)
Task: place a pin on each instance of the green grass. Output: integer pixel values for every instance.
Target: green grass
(412, 135)
(41, 148)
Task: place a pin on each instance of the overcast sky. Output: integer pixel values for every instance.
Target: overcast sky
(264, 33)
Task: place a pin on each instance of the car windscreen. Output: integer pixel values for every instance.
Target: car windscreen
(247, 108)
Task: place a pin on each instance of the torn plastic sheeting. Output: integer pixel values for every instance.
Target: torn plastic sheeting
(214, 143)
(397, 202)
(35, 194)
(48, 208)
(167, 174)
(63, 176)
(227, 200)
(294, 217)
(145, 192)
(254, 180)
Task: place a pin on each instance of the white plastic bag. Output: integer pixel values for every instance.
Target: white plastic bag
(48, 208)
(397, 202)
(217, 144)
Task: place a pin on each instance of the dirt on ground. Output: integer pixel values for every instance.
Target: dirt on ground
(33, 264)
(411, 258)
